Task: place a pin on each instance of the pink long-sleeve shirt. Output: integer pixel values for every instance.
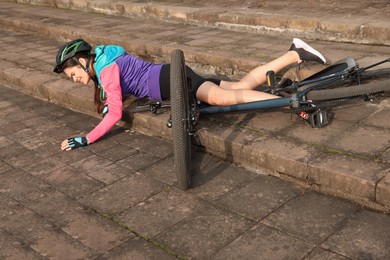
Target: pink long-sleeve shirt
(127, 76)
(110, 79)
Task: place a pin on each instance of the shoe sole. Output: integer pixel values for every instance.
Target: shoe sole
(301, 44)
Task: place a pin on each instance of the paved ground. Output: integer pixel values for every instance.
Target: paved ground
(123, 187)
(117, 200)
(349, 158)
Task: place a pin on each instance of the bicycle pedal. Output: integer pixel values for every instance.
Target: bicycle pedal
(318, 118)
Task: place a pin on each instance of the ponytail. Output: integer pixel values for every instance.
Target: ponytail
(98, 103)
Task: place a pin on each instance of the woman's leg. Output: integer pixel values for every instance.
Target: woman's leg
(215, 95)
(258, 75)
(229, 93)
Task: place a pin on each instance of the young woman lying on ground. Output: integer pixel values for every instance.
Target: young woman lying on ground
(117, 73)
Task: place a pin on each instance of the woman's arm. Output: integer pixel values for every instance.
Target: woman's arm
(110, 78)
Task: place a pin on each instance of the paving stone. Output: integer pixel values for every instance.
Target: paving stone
(204, 233)
(160, 212)
(11, 127)
(120, 134)
(95, 231)
(162, 170)
(280, 155)
(4, 167)
(385, 156)
(23, 115)
(24, 134)
(123, 194)
(379, 119)
(56, 244)
(92, 163)
(24, 224)
(311, 218)
(261, 196)
(12, 248)
(262, 242)
(99, 145)
(137, 248)
(270, 121)
(44, 167)
(71, 118)
(354, 112)
(56, 90)
(19, 157)
(19, 185)
(365, 236)
(202, 162)
(383, 189)
(219, 179)
(71, 157)
(357, 177)
(153, 146)
(48, 150)
(118, 152)
(73, 182)
(59, 134)
(110, 173)
(319, 136)
(138, 161)
(5, 104)
(319, 254)
(12, 151)
(85, 124)
(226, 142)
(232, 119)
(363, 140)
(54, 206)
(42, 124)
(7, 205)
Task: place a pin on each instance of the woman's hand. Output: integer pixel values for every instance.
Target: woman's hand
(73, 143)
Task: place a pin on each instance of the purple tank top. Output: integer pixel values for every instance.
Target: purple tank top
(139, 78)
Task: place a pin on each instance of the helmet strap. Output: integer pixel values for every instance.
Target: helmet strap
(85, 68)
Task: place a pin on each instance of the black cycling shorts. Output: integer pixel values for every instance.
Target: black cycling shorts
(194, 79)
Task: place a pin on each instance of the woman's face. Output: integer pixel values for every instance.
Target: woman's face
(77, 73)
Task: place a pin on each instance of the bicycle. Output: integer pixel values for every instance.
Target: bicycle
(310, 96)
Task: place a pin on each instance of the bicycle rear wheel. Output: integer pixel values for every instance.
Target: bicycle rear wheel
(350, 91)
(180, 114)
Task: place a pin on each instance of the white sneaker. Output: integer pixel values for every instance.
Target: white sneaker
(306, 52)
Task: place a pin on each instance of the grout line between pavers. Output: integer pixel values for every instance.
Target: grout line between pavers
(137, 234)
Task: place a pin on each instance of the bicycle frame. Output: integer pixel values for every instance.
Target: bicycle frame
(333, 75)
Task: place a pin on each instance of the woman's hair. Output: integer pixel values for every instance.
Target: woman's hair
(71, 63)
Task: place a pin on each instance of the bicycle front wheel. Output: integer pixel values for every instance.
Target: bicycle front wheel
(350, 91)
(180, 113)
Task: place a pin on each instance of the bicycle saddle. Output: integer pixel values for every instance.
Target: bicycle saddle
(340, 66)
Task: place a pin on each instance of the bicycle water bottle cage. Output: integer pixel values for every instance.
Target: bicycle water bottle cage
(318, 118)
(285, 84)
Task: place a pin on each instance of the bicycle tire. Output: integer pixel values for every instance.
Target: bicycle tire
(350, 91)
(180, 114)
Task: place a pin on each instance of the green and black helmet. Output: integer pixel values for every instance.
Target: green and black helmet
(68, 51)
